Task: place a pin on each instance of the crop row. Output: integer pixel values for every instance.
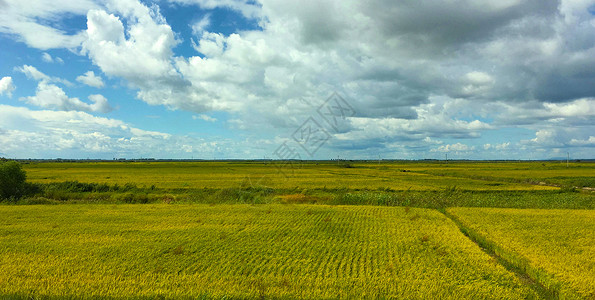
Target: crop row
(304, 251)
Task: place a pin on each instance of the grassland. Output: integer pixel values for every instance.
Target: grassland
(554, 173)
(556, 247)
(417, 184)
(243, 251)
(312, 175)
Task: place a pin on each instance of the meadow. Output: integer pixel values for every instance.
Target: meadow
(418, 184)
(309, 230)
(417, 176)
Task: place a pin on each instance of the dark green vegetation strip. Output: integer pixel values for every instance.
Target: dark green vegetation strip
(76, 192)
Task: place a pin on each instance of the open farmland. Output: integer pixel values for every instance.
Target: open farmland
(418, 184)
(271, 251)
(327, 230)
(417, 176)
(555, 246)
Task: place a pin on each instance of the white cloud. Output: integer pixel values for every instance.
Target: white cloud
(577, 108)
(33, 73)
(100, 104)
(387, 65)
(558, 137)
(579, 111)
(53, 97)
(27, 21)
(401, 87)
(248, 9)
(145, 54)
(90, 79)
(547, 137)
(458, 147)
(46, 57)
(412, 70)
(201, 25)
(6, 86)
(44, 133)
(204, 118)
(498, 147)
(49, 59)
(586, 142)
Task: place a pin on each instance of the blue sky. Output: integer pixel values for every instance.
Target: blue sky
(239, 79)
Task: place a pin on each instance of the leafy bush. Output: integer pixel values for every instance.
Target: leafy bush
(79, 187)
(131, 198)
(12, 180)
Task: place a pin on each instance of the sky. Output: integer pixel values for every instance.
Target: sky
(312, 79)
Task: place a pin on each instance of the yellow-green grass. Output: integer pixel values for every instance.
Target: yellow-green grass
(552, 173)
(185, 175)
(556, 247)
(243, 251)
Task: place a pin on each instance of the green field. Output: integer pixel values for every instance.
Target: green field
(357, 175)
(417, 184)
(326, 230)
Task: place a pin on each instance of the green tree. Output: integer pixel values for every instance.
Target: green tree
(12, 180)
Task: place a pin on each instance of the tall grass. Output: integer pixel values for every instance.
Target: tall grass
(76, 192)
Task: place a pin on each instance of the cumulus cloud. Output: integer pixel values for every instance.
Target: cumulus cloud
(145, 54)
(6, 86)
(372, 54)
(577, 140)
(90, 79)
(53, 97)
(43, 133)
(411, 70)
(586, 142)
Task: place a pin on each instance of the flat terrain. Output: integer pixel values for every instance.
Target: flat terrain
(356, 175)
(313, 230)
(295, 251)
(556, 246)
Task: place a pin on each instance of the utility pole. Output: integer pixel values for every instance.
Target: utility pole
(446, 154)
(567, 158)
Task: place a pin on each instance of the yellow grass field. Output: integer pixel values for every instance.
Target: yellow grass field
(313, 230)
(243, 251)
(360, 175)
(557, 247)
